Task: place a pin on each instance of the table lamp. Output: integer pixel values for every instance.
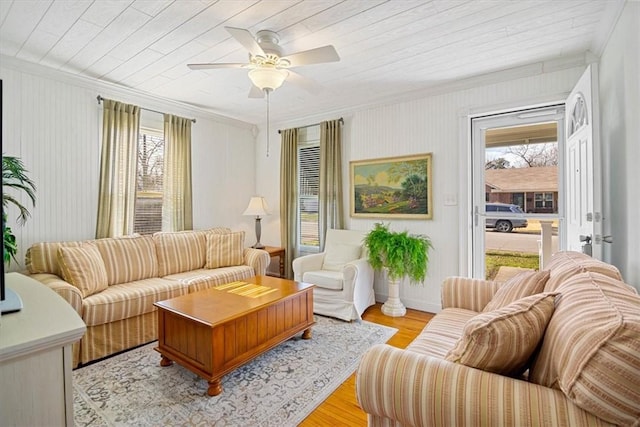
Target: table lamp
(257, 206)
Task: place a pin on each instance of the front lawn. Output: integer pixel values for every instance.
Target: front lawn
(495, 259)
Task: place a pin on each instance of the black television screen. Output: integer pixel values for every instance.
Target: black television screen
(2, 295)
(9, 300)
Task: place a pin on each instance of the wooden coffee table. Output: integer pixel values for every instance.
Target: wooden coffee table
(214, 331)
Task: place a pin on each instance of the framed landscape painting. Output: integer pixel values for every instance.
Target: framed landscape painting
(392, 187)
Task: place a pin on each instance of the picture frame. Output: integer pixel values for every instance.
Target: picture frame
(392, 187)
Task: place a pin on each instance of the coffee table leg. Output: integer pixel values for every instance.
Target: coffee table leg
(165, 362)
(215, 387)
(306, 335)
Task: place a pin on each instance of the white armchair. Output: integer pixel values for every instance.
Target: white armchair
(342, 275)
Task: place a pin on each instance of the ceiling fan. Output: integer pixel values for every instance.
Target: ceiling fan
(268, 67)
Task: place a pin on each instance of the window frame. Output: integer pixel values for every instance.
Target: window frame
(546, 200)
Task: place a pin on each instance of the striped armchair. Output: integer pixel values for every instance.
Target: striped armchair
(584, 369)
(113, 283)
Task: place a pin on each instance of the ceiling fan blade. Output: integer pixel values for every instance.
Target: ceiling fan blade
(255, 92)
(216, 65)
(246, 39)
(303, 82)
(314, 56)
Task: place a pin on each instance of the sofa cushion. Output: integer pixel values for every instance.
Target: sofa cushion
(127, 300)
(225, 250)
(201, 279)
(519, 286)
(325, 279)
(180, 251)
(591, 350)
(43, 257)
(502, 341)
(564, 265)
(338, 254)
(83, 267)
(442, 332)
(128, 259)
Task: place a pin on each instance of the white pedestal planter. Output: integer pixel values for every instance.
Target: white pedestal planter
(394, 307)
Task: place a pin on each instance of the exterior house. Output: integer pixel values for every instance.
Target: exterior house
(534, 189)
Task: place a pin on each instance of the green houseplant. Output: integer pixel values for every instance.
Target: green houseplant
(400, 255)
(14, 178)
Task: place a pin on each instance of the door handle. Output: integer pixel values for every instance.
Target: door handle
(587, 249)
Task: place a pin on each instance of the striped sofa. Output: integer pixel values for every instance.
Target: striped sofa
(583, 368)
(113, 283)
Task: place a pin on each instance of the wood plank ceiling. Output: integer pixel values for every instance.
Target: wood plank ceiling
(389, 50)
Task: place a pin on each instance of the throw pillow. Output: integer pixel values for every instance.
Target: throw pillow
(519, 286)
(339, 254)
(225, 250)
(504, 340)
(83, 267)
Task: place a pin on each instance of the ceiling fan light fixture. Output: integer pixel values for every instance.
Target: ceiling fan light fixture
(268, 78)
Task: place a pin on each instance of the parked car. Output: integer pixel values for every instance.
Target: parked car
(505, 225)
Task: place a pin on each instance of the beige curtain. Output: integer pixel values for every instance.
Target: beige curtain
(330, 209)
(289, 197)
(118, 160)
(177, 214)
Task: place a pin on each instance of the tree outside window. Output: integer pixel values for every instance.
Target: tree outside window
(150, 168)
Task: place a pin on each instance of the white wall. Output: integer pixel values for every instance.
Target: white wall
(620, 135)
(436, 124)
(52, 121)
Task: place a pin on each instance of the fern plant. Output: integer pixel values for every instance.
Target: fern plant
(14, 177)
(400, 253)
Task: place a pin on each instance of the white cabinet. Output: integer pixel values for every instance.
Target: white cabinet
(35, 356)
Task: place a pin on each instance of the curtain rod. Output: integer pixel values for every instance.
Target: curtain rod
(100, 99)
(341, 120)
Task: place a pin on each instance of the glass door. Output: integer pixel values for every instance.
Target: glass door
(517, 184)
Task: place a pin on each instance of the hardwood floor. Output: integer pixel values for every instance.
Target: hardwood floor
(341, 408)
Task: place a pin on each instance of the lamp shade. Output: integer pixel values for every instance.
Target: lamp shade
(257, 207)
(267, 77)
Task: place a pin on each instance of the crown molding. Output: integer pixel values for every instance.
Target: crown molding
(608, 23)
(514, 73)
(115, 90)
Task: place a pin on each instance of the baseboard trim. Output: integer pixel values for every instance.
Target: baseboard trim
(413, 304)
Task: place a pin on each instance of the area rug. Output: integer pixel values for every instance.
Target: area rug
(279, 388)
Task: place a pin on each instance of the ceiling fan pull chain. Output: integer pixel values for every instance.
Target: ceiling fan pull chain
(268, 130)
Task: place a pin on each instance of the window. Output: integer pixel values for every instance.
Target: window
(148, 209)
(544, 200)
(308, 191)
(517, 199)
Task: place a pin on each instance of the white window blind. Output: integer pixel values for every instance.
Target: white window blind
(309, 184)
(148, 209)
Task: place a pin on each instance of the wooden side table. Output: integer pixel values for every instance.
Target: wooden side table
(275, 251)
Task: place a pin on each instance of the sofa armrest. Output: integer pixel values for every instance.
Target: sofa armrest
(413, 389)
(257, 259)
(66, 290)
(467, 293)
(306, 263)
